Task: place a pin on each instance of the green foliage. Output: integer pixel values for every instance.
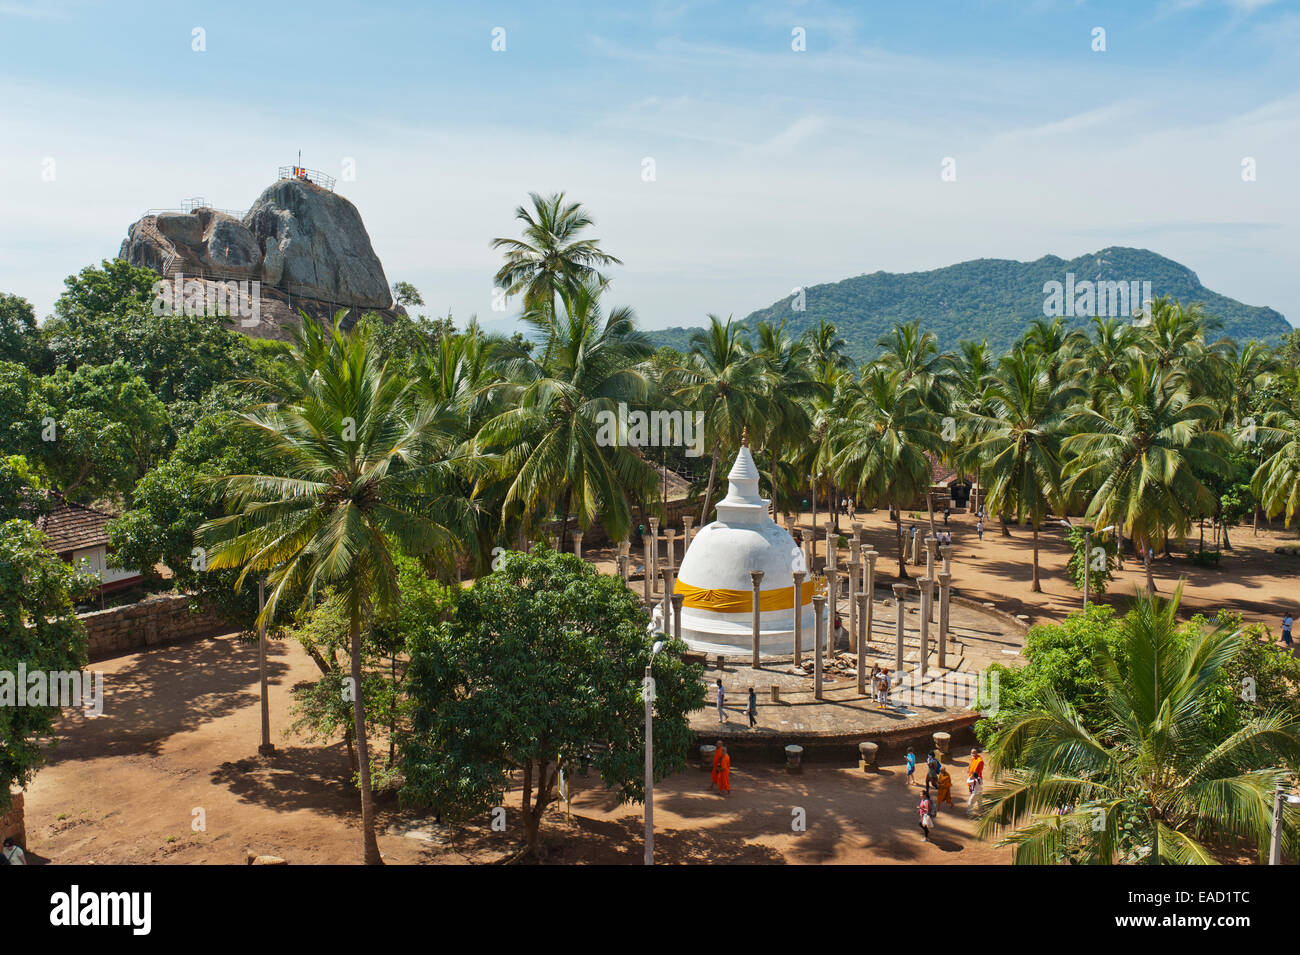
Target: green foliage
(1102, 571)
(538, 667)
(20, 339)
(1149, 756)
(39, 629)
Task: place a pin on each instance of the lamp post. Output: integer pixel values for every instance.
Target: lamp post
(1087, 554)
(266, 748)
(648, 694)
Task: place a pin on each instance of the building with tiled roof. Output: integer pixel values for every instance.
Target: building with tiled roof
(78, 534)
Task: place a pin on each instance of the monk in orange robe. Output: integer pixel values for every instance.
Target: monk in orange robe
(717, 761)
(722, 769)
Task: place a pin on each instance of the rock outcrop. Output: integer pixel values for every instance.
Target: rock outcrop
(307, 246)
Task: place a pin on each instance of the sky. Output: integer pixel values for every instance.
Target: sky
(773, 167)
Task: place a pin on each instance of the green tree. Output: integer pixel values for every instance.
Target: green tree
(551, 258)
(1139, 459)
(539, 668)
(20, 338)
(1018, 441)
(551, 435)
(337, 502)
(39, 630)
(1150, 780)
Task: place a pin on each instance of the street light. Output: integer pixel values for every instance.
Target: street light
(648, 694)
(1275, 846)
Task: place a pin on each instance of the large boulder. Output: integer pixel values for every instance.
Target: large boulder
(314, 244)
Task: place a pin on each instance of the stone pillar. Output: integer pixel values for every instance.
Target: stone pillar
(945, 587)
(869, 583)
(853, 606)
(931, 548)
(819, 607)
(577, 544)
(900, 598)
(668, 598)
(687, 523)
(864, 611)
(925, 584)
(654, 555)
(677, 616)
(946, 551)
(670, 536)
(648, 576)
(798, 617)
(857, 531)
(757, 577)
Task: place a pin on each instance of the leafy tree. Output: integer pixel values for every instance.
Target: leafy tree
(40, 630)
(18, 482)
(1098, 577)
(551, 259)
(20, 339)
(337, 502)
(407, 295)
(1151, 777)
(539, 668)
(551, 432)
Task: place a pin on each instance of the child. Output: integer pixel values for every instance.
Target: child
(911, 766)
(926, 810)
(753, 709)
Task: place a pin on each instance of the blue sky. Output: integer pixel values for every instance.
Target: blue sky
(773, 168)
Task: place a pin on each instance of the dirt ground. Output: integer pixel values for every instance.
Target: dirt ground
(179, 733)
(176, 747)
(1250, 578)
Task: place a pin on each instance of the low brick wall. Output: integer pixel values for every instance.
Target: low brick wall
(11, 822)
(162, 618)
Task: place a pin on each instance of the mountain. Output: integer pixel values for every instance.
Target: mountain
(997, 299)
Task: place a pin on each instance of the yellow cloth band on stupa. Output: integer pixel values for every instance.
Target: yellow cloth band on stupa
(722, 600)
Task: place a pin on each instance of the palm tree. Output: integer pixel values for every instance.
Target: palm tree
(550, 434)
(1139, 457)
(351, 449)
(1018, 440)
(722, 376)
(787, 383)
(825, 346)
(1058, 346)
(1153, 782)
(915, 355)
(879, 448)
(972, 372)
(550, 258)
(1276, 481)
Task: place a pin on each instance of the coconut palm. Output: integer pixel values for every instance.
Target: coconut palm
(879, 448)
(825, 346)
(1151, 782)
(788, 385)
(915, 355)
(722, 376)
(551, 257)
(551, 436)
(352, 449)
(1059, 347)
(1018, 439)
(1276, 482)
(968, 396)
(1138, 459)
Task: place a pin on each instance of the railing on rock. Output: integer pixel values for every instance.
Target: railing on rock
(314, 176)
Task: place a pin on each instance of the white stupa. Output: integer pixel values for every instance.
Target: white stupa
(717, 610)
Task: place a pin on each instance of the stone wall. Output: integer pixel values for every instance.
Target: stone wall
(11, 822)
(162, 618)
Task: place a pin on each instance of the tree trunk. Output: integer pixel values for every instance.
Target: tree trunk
(1002, 520)
(708, 491)
(898, 539)
(369, 845)
(1146, 560)
(1037, 586)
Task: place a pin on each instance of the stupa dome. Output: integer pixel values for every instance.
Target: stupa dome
(718, 593)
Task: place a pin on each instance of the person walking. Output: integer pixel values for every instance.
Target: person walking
(974, 781)
(979, 529)
(1286, 629)
(853, 509)
(724, 771)
(717, 764)
(947, 512)
(932, 767)
(943, 791)
(752, 709)
(926, 810)
(722, 699)
(911, 765)
(13, 853)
